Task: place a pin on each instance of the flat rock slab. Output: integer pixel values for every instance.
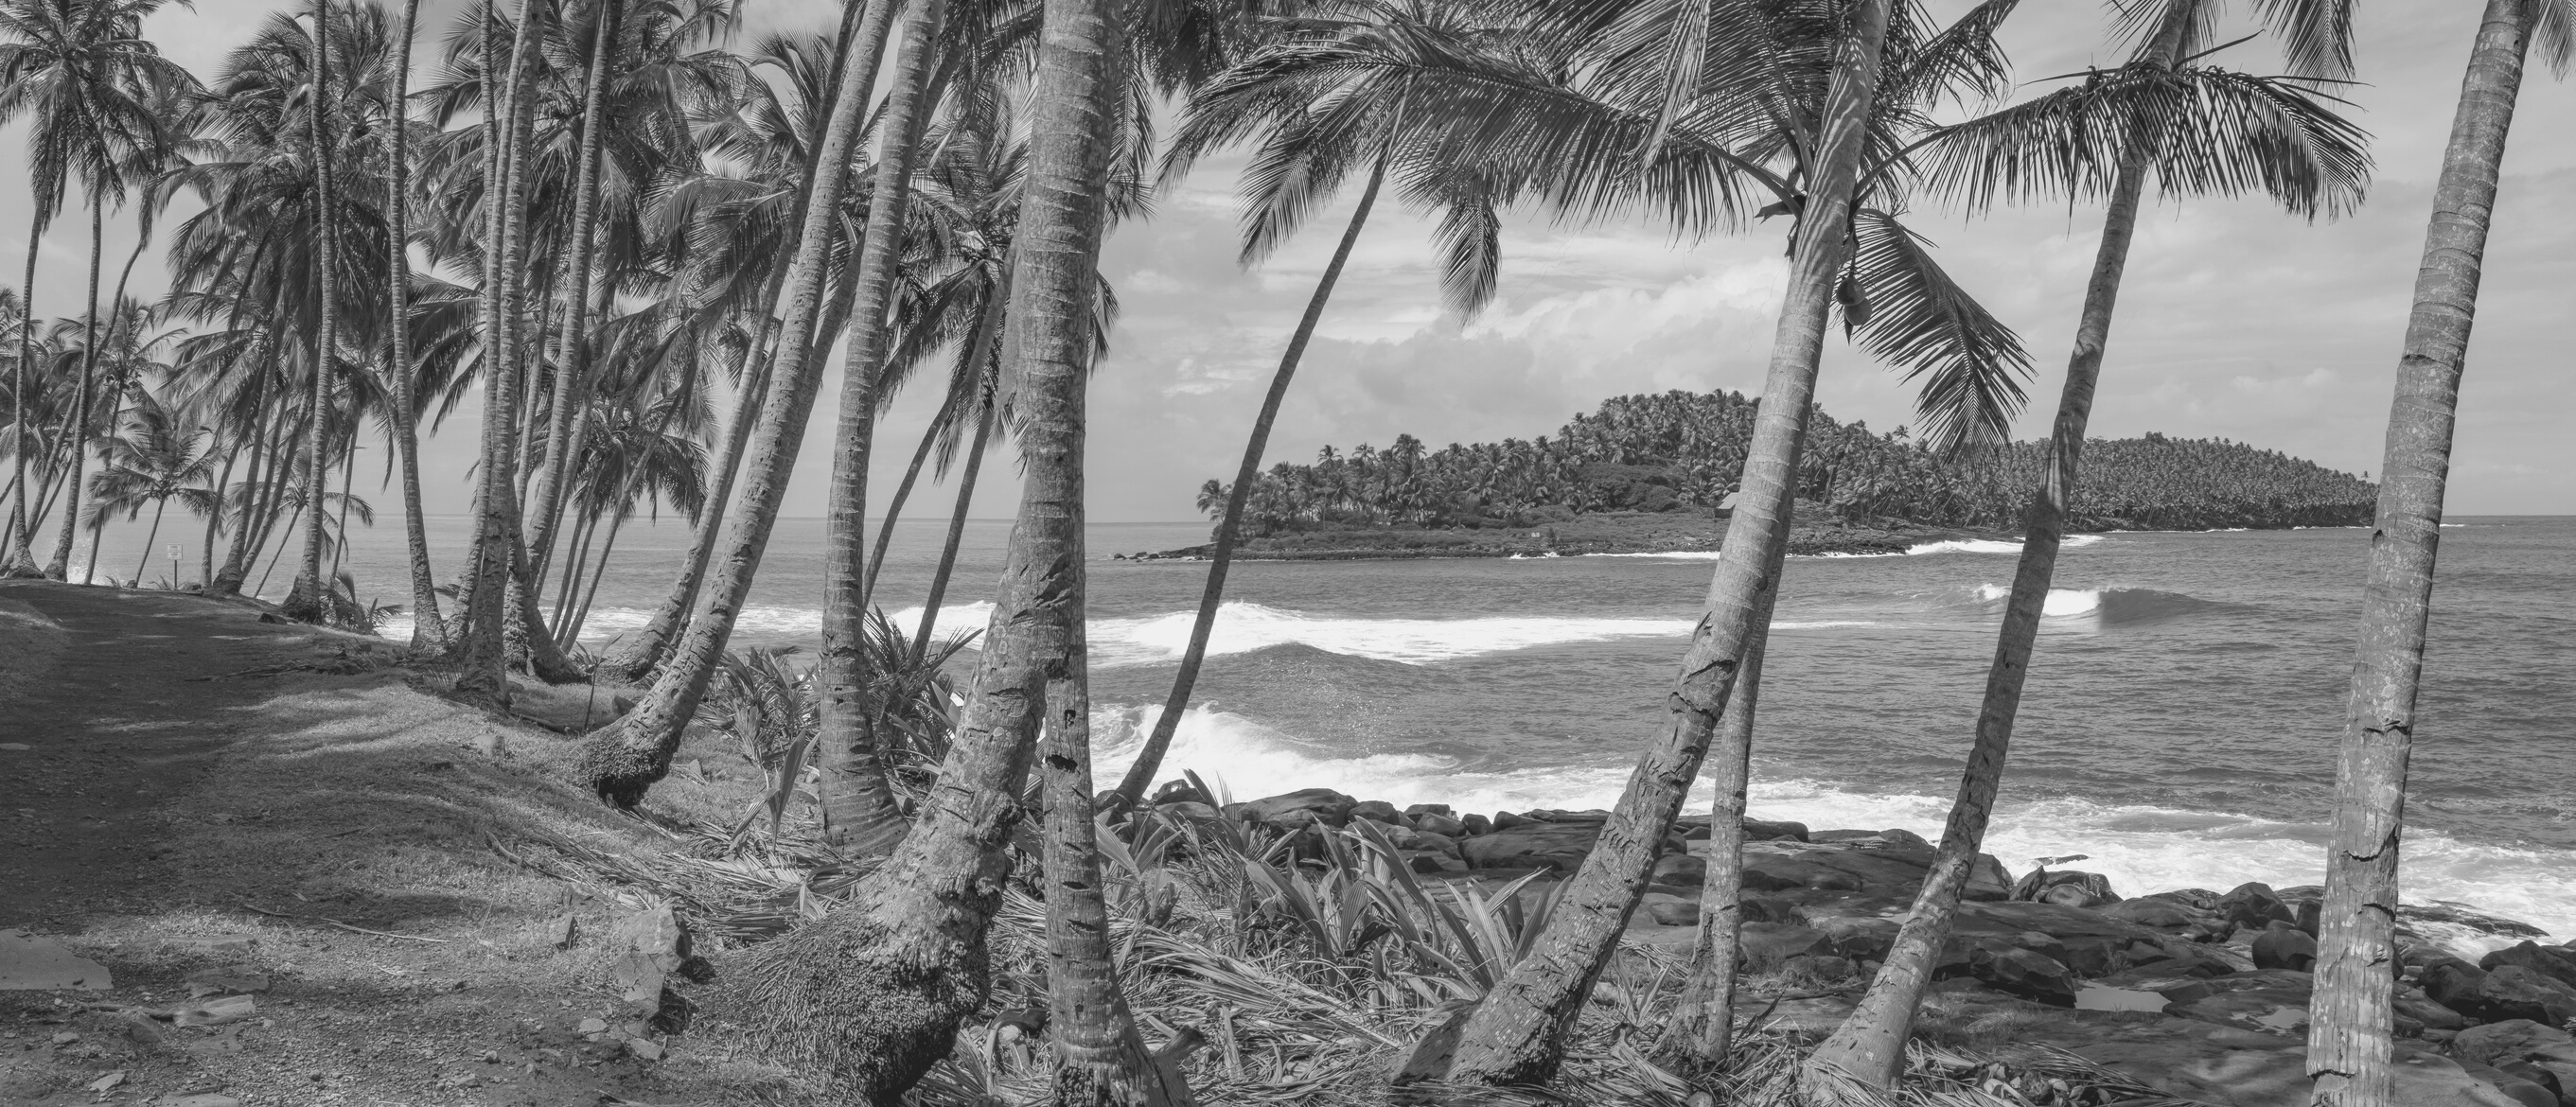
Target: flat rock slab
(2228, 1067)
(32, 964)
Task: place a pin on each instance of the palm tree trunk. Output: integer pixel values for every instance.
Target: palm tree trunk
(2349, 1045)
(1149, 760)
(1870, 1045)
(76, 432)
(624, 758)
(291, 519)
(151, 536)
(214, 523)
(956, 531)
(1702, 1026)
(546, 503)
(598, 571)
(19, 560)
(859, 812)
(428, 629)
(567, 586)
(642, 653)
(1515, 1035)
(340, 526)
(306, 600)
(228, 581)
(894, 507)
(884, 981)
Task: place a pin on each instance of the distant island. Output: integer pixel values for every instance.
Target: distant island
(1652, 474)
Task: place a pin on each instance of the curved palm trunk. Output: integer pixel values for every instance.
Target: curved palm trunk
(307, 599)
(159, 505)
(859, 812)
(1149, 759)
(623, 759)
(880, 985)
(598, 571)
(19, 560)
(2349, 1038)
(428, 628)
(644, 652)
(1870, 1045)
(76, 433)
(545, 504)
(894, 507)
(956, 534)
(1515, 1035)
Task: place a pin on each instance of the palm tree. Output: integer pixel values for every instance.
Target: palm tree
(1318, 132)
(2349, 1035)
(82, 73)
(2197, 130)
(626, 757)
(428, 628)
(310, 598)
(859, 811)
(153, 461)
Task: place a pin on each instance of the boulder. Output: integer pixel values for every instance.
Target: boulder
(2273, 1001)
(1758, 830)
(2549, 961)
(1820, 968)
(2285, 947)
(1771, 872)
(2521, 1092)
(1505, 820)
(2022, 972)
(1894, 869)
(1476, 824)
(2520, 1042)
(1418, 810)
(2254, 906)
(1860, 938)
(2415, 1005)
(1532, 845)
(1179, 791)
(2545, 1078)
(1379, 811)
(1988, 880)
(2224, 1066)
(1767, 945)
(2155, 911)
(2510, 992)
(1681, 869)
(1432, 822)
(1764, 909)
(1673, 912)
(1322, 805)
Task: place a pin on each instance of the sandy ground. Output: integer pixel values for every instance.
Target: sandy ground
(185, 763)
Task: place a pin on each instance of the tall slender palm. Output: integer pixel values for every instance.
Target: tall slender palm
(310, 597)
(2195, 130)
(623, 759)
(1318, 132)
(2350, 1031)
(858, 806)
(428, 628)
(76, 434)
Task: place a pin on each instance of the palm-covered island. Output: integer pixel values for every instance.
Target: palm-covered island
(1655, 474)
(594, 261)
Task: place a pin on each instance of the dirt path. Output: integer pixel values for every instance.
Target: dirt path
(188, 767)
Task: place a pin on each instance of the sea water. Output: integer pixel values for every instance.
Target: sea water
(2178, 729)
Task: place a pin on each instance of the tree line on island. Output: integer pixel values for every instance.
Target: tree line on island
(1682, 451)
(601, 217)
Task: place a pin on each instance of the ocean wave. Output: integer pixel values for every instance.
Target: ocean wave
(2109, 605)
(1243, 626)
(1991, 545)
(2141, 848)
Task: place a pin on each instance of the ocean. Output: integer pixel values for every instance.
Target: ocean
(2179, 727)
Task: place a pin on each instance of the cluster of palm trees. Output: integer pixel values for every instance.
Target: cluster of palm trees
(1693, 447)
(602, 216)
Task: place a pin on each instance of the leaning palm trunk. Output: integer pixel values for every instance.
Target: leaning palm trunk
(894, 506)
(1149, 759)
(640, 655)
(309, 598)
(2349, 1044)
(859, 812)
(875, 990)
(956, 533)
(545, 503)
(626, 757)
(76, 432)
(19, 559)
(428, 631)
(1516, 1033)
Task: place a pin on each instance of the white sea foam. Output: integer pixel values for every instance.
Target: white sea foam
(1670, 555)
(2061, 601)
(2140, 848)
(1242, 627)
(1990, 545)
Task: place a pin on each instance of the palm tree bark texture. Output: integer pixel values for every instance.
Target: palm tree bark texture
(859, 812)
(309, 599)
(1516, 1033)
(2350, 1029)
(624, 759)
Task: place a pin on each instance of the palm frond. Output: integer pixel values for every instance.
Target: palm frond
(1901, 307)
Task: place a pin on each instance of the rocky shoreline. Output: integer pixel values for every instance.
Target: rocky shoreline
(1596, 533)
(2201, 993)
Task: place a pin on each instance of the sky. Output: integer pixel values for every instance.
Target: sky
(2235, 320)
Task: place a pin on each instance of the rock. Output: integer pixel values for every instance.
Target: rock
(102, 1084)
(2216, 1064)
(1681, 869)
(2522, 1093)
(1765, 873)
(214, 982)
(29, 962)
(654, 932)
(1322, 805)
(1860, 938)
(1476, 824)
(1505, 820)
(1530, 844)
(215, 943)
(2520, 1042)
(1189, 810)
(1180, 791)
(1379, 811)
(2430, 1015)
(1433, 822)
(2548, 961)
(1760, 830)
(2022, 972)
(215, 1012)
(1988, 880)
(201, 1099)
(1673, 913)
(1906, 837)
(2546, 1079)
(2510, 992)
(2162, 914)
(2070, 895)
(2285, 948)
(644, 1048)
(1761, 909)
(1822, 968)
(1440, 844)
(2273, 1001)
(2043, 885)
(1767, 945)
(1840, 835)
(1418, 810)
(593, 1025)
(2254, 906)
